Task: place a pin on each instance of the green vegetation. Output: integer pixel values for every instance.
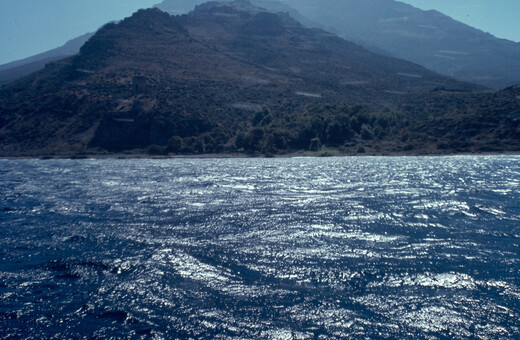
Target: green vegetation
(329, 129)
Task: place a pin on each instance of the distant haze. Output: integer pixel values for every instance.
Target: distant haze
(498, 17)
(29, 27)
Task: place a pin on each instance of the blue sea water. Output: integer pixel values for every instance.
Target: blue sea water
(300, 248)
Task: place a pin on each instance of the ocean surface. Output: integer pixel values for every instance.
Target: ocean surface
(300, 248)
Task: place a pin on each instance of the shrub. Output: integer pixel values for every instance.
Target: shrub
(156, 150)
(175, 144)
(366, 133)
(315, 144)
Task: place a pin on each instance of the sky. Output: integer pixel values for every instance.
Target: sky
(29, 27)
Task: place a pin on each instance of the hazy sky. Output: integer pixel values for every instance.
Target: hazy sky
(28, 27)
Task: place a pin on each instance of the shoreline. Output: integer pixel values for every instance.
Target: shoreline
(253, 156)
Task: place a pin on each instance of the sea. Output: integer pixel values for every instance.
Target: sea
(283, 248)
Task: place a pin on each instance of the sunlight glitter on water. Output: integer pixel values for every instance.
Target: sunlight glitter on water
(424, 247)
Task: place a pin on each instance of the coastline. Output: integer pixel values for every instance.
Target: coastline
(124, 156)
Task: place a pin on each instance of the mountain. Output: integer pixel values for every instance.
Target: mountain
(230, 77)
(388, 27)
(21, 68)
(393, 28)
(428, 38)
(18, 69)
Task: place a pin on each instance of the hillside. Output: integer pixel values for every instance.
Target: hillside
(428, 38)
(236, 78)
(387, 27)
(393, 28)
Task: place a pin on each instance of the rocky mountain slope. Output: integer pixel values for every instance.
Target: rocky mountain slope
(388, 27)
(393, 28)
(428, 38)
(235, 78)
